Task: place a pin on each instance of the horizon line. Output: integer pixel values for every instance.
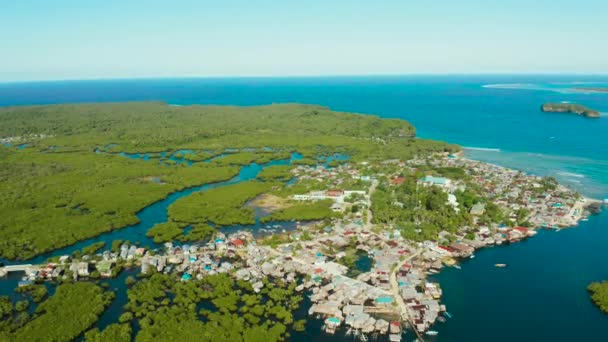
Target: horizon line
(143, 78)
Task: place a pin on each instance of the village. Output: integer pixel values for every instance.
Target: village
(391, 292)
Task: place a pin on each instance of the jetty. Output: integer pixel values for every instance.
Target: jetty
(18, 268)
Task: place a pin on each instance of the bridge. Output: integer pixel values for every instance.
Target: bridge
(17, 268)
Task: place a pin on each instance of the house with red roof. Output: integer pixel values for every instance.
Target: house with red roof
(397, 180)
(238, 243)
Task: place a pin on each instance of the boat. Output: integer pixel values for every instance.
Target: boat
(457, 267)
(447, 314)
(432, 333)
(441, 319)
(473, 255)
(500, 265)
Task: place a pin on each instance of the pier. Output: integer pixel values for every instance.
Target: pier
(17, 268)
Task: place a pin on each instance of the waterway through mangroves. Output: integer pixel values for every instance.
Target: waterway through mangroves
(149, 216)
(153, 214)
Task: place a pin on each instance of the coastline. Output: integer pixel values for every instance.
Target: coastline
(577, 212)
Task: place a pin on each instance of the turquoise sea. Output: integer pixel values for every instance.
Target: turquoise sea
(541, 294)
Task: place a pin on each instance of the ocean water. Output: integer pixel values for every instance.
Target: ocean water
(541, 294)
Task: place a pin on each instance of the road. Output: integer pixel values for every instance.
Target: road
(395, 292)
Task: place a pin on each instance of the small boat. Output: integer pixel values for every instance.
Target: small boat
(472, 256)
(585, 219)
(447, 314)
(500, 265)
(432, 333)
(441, 319)
(457, 267)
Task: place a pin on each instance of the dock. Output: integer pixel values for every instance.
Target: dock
(17, 268)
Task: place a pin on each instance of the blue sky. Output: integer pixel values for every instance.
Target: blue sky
(77, 39)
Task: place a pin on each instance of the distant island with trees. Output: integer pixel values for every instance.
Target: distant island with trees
(570, 108)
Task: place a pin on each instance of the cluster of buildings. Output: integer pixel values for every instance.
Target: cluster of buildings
(546, 203)
(395, 289)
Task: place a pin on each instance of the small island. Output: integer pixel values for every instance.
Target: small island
(570, 108)
(599, 294)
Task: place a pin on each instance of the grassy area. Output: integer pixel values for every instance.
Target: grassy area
(221, 206)
(276, 173)
(304, 211)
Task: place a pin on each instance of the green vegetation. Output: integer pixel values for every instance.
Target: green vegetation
(355, 197)
(306, 161)
(454, 173)
(301, 187)
(246, 158)
(51, 200)
(352, 256)
(570, 108)
(57, 191)
(275, 239)
(303, 211)
(163, 232)
(36, 291)
(222, 206)
(599, 294)
(420, 212)
(199, 156)
(276, 173)
(113, 332)
(170, 231)
(199, 232)
(166, 309)
(93, 248)
(64, 316)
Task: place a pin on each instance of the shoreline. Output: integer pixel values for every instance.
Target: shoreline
(462, 154)
(577, 213)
